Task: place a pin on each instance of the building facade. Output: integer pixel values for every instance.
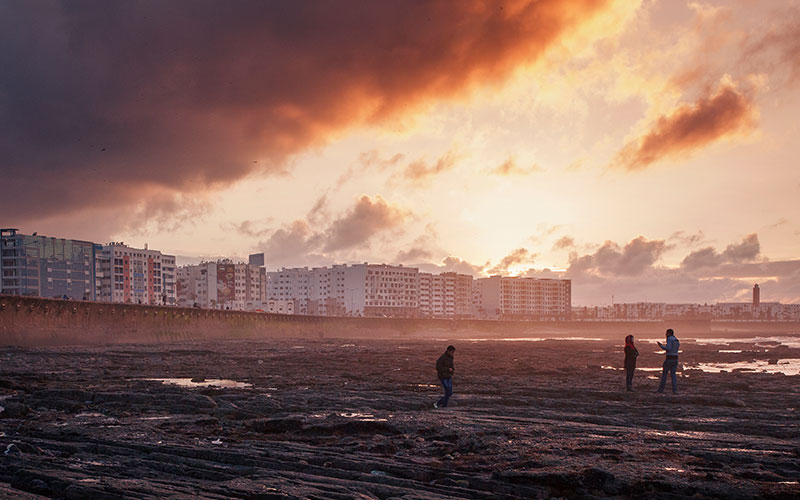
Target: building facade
(221, 285)
(135, 275)
(516, 298)
(446, 295)
(46, 267)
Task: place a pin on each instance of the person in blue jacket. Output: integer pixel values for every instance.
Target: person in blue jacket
(671, 362)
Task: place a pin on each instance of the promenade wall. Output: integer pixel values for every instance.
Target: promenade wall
(33, 321)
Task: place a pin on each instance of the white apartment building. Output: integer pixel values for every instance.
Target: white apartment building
(221, 285)
(197, 285)
(501, 297)
(347, 290)
(135, 275)
(446, 295)
(290, 284)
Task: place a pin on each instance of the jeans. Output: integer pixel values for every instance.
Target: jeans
(447, 383)
(670, 366)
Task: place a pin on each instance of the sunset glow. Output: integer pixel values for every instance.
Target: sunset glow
(644, 149)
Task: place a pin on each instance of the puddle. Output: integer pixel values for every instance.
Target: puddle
(367, 417)
(165, 417)
(730, 351)
(347, 345)
(427, 386)
(209, 382)
(785, 366)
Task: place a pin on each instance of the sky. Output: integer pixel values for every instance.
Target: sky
(647, 150)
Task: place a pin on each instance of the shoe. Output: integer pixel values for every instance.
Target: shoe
(436, 405)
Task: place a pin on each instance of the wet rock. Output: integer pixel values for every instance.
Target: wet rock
(276, 425)
(12, 409)
(13, 450)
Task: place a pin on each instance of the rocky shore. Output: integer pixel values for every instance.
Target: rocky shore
(329, 419)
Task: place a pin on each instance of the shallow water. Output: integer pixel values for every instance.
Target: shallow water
(211, 382)
(785, 366)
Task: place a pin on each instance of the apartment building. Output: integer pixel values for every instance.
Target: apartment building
(382, 290)
(221, 285)
(446, 295)
(502, 297)
(44, 266)
(347, 290)
(135, 275)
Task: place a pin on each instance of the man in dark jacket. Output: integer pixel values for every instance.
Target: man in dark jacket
(444, 369)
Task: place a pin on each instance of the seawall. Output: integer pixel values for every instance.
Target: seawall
(33, 321)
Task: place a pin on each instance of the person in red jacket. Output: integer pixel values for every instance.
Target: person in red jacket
(631, 353)
(444, 369)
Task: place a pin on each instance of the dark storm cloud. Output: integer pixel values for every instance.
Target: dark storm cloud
(106, 102)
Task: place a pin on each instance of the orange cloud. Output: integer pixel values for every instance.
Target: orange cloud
(222, 90)
(419, 170)
(689, 127)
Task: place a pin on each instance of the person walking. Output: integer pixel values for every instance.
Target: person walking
(631, 354)
(444, 369)
(671, 361)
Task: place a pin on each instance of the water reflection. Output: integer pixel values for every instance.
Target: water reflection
(785, 366)
(211, 382)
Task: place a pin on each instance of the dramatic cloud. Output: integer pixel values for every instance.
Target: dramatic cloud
(106, 102)
(690, 127)
(510, 167)
(367, 218)
(745, 251)
(303, 240)
(610, 259)
(520, 256)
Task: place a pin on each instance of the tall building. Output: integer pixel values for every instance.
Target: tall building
(135, 275)
(756, 296)
(46, 267)
(502, 297)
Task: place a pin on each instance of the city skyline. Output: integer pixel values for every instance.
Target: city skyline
(644, 150)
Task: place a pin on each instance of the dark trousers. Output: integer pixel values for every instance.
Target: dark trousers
(670, 366)
(447, 383)
(629, 369)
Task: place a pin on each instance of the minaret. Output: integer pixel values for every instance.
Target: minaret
(756, 296)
